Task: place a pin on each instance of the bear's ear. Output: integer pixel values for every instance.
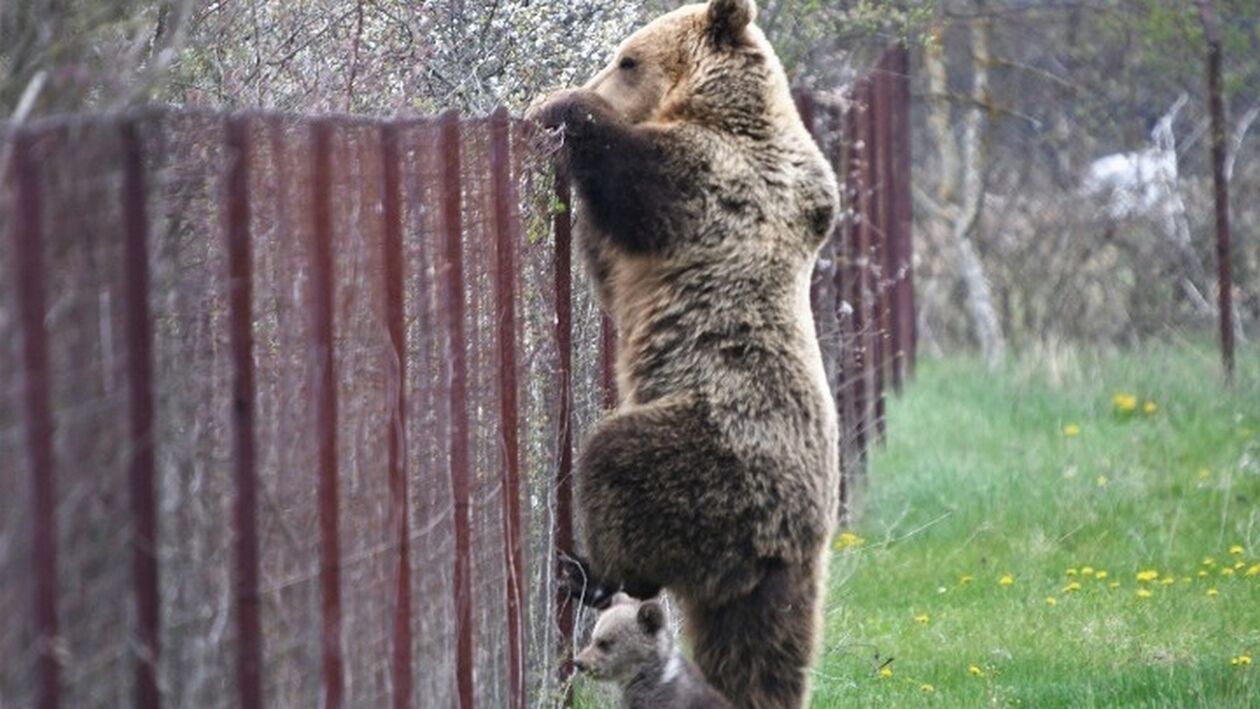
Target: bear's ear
(651, 617)
(728, 18)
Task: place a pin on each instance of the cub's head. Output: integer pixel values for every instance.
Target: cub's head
(628, 636)
(706, 60)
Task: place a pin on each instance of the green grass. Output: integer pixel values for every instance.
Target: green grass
(978, 479)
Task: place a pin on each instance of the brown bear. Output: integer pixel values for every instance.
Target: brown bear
(632, 646)
(702, 203)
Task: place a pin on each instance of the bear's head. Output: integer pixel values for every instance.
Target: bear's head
(705, 60)
(629, 636)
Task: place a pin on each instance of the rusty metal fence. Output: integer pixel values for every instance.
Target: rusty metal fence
(288, 405)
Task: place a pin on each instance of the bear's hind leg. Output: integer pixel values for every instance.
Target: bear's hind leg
(758, 649)
(664, 504)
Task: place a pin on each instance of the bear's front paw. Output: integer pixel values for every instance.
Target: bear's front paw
(571, 109)
(577, 583)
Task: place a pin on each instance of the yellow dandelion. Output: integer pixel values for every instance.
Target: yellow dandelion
(922, 619)
(848, 540)
(1227, 571)
(1204, 473)
(1114, 584)
(1244, 659)
(1148, 575)
(1212, 592)
(1007, 580)
(1087, 571)
(927, 688)
(1144, 593)
(1203, 573)
(1253, 571)
(1124, 403)
(975, 671)
(1102, 574)
(1072, 587)
(1168, 580)
(885, 672)
(1050, 601)
(1239, 564)
(1071, 430)
(965, 580)
(1237, 550)
(1209, 561)
(1070, 572)
(1150, 407)
(1101, 481)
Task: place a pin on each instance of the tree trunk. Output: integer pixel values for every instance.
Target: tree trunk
(963, 216)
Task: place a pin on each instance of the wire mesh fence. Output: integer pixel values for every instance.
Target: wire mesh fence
(288, 405)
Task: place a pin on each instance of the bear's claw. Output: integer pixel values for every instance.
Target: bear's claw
(579, 584)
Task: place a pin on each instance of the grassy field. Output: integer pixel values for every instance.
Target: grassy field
(1008, 525)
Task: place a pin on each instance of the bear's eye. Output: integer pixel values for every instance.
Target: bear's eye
(628, 63)
(604, 644)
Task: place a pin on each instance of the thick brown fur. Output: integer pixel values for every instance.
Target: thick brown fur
(702, 204)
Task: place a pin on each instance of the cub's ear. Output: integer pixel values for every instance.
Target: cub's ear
(651, 617)
(728, 19)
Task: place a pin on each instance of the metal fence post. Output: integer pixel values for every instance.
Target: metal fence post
(140, 385)
(453, 275)
(321, 304)
(562, 261)
(394, 277)
(28, 273)
(506, 237)
(240, 297)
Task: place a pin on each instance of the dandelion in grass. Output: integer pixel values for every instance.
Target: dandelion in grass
(922, 619)
(1238, 565)
(1007, 580)
(885, 672)
(1253, 571)
(1148, 575)
(1101, 481)
(965, 580)
(1237, 550)
(1087, 571)
(848, 540)
(975, 671)
(1072, 430)
(1102, 574)
(1209, 561)
(927, 688)
(1144, 593)
(1227, 571)
(1203, 573)
(1124, 403)
(1168, 580)
(1050, 601)
(1243, 660)
(1114, 584)
(1072, 587)
(1150, 407)
(1212, 592)
(1070, 572)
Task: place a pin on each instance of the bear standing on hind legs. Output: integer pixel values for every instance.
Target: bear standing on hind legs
(702, 202)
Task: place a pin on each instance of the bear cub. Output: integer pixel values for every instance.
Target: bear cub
(632, 646)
